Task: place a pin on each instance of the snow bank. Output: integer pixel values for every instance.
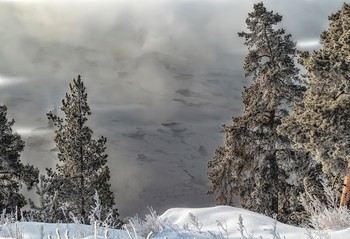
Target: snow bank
(221, 222)
(255, 224)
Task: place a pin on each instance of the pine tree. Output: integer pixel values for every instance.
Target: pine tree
(12, 171)
(82, 168)
(256, 162)
(48, 206)
(320, 123)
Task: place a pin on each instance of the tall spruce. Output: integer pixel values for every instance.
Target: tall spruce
(13, 173)
(320, 123)
(82, 169)
(256, 163)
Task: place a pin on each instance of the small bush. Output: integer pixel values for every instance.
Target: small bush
(326, 215)
(137, 227)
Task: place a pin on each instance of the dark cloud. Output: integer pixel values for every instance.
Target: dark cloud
(146, 65)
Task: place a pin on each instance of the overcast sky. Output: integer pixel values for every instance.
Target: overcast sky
(161, 75)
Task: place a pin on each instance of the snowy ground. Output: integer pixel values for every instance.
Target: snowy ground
(185, 223)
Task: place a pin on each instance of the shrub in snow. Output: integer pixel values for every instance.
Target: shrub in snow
(102, 221)
(326, 215)
(137, 227)
(46, 211)
(245, 235)
(195, 224)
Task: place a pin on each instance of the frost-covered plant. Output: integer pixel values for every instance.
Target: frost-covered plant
(3, 217)
(326, 215)
(222, 229)
(243, 230)
(100, 225)
(41, 231)
(153, 221)
(319, 234)
(195, 224)
(319, 124)
(11, 226)
(78, 225)
(256, 163)
(245, 235)
(83, 162)
(95, 212)
(45, 211)
(137, 227)
(274, 233)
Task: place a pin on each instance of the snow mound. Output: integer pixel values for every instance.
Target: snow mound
(221, 222)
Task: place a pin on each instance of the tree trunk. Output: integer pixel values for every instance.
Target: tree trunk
(345, 196)
(82, 181)
(274, 183)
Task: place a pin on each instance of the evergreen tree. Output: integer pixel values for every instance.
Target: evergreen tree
(320, 123)
(48, 206)
(256, 162)
(12, 171)
(82, 168)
